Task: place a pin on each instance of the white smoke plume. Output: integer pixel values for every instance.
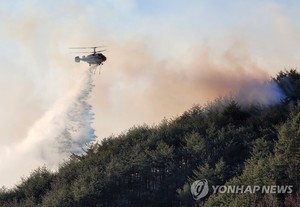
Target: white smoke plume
(262, 93)
(64, 129)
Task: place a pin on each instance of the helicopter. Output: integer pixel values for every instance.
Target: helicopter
(95, 58)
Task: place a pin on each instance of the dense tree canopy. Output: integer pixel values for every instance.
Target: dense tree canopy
(224, 142)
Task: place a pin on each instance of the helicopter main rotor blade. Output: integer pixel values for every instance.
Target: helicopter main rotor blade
(81, 52)
(86, 47)
(88, 52)
(101, 50)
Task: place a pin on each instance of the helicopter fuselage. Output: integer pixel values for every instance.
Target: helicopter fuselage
(92, 59)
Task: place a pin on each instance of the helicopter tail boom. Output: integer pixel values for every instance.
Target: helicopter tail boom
(77, 59)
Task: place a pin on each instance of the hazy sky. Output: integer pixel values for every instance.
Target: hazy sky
(162, 57)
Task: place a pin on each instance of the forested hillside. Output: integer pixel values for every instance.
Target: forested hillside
(223, 142)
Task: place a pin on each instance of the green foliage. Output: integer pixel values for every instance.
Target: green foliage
(289, 82)
(155, 166)
(31, 191)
